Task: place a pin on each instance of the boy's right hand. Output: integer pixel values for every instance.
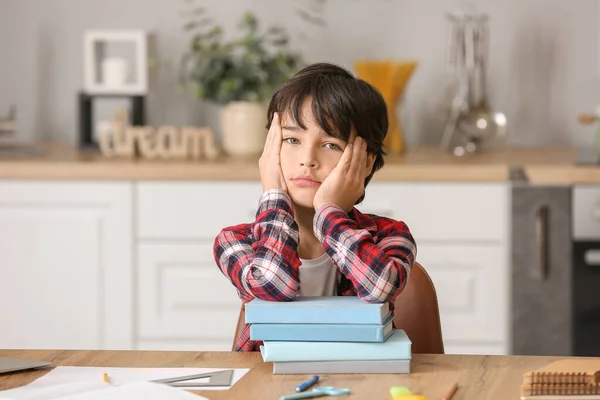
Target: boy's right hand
(269, 164)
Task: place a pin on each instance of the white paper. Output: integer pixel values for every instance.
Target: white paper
(98, 391)
(51, 392)
(122, 376)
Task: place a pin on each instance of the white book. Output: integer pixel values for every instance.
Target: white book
(342, 367)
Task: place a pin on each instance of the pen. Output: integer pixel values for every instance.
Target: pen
(451, 392)
(307, 383)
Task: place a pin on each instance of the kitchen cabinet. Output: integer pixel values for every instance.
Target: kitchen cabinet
(66, 265)
(101, 265)
(461, 232)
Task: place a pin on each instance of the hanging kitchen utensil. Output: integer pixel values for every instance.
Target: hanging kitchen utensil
(471, 122)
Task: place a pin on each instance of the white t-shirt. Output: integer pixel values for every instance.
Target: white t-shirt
(318, 277)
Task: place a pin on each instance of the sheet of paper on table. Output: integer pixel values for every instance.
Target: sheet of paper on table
(120, 376)
(67, 381)
(99, 391)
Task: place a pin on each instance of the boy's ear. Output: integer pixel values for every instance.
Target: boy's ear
(370, 162)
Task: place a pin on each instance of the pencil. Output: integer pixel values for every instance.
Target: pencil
(106, 378)
(451, 392)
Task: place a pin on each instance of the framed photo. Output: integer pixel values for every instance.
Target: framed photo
(116, 62)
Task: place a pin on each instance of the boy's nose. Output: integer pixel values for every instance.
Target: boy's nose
(308, 159)
(309, 164)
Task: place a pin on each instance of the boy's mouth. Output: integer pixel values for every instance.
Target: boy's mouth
(305, 181)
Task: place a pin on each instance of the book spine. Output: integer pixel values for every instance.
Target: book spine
(329, 351)
(316, 333)
(308, 315)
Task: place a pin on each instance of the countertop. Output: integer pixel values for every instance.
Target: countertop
(555, 166)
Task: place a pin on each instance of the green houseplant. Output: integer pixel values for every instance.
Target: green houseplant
(240, 74)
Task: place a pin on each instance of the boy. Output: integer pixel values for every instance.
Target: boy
(324, 144)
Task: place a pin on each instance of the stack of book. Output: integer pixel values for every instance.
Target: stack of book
(568, 378)
(328, 335)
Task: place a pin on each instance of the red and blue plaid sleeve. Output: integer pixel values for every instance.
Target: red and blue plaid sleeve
(377, 264)
(261, 259)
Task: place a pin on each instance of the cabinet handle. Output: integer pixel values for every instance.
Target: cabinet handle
(541, 236)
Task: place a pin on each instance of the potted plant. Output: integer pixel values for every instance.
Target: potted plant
(240, 74)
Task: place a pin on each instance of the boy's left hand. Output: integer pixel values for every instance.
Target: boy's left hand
(346, 182)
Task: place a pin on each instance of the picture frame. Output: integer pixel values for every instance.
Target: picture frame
(106, 75)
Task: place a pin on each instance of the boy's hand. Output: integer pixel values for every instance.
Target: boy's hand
(346, 182)
(269, 164)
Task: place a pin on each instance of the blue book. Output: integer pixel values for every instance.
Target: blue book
(316, 310)
(396, 347)
(323, 332)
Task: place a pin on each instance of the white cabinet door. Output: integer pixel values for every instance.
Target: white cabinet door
(66, 265)
(185, 302)
(472, 285)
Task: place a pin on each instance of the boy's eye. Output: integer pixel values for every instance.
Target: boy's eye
(291, 140)
(332, 146)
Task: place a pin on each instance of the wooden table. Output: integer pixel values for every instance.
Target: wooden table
(479, 377)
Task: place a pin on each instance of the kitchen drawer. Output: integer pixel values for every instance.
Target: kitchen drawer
(433, 211)
(183, 297)
(193, 210)
(472, 285)
(444, 211)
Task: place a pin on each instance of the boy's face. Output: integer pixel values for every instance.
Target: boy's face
(307, 156)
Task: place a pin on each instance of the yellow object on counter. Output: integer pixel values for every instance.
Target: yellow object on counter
(403, 393)
(390, 78)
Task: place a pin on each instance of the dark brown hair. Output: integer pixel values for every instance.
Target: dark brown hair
(339, 102)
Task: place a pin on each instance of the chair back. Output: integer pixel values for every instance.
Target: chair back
(416, 311)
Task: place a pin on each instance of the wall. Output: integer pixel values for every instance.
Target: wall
(543, 71)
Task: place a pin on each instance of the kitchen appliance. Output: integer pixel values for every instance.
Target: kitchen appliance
(471, 122)
(556, 270)
(586, 270)
(542, 300)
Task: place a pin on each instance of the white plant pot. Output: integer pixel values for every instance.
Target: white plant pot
(243, 128)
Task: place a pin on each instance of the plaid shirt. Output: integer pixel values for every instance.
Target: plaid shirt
(373, 254)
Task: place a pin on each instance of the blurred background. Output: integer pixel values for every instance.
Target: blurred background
(543, 57)
(493, 160)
